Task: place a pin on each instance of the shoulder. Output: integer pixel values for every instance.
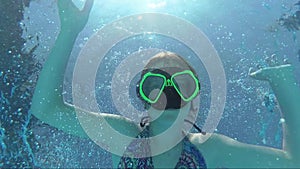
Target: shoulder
(108, 122)
(122, 124)
(217, 149)
(221, 144)
(207, 139)
(108, 117)
(210, 146)
(223, 151)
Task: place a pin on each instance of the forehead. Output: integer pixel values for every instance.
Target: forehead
(169, 65)
(162, 60)
(167, 71)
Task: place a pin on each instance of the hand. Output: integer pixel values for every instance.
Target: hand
(71, 18)
(270, 73)
(274, 70)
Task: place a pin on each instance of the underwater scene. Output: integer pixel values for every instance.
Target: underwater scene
(225, 41)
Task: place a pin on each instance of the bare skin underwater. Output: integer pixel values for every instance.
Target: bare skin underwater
(219, 150)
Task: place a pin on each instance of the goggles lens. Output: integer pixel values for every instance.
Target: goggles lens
(186, 84)
(151, 86)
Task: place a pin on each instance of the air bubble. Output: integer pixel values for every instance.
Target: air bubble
(282, 120)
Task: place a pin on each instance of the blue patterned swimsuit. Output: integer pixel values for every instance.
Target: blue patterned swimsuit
(190, 155)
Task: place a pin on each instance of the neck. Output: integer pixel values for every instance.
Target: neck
(167, 129)
(166, 120)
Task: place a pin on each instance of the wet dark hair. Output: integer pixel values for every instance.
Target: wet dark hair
(168, 59)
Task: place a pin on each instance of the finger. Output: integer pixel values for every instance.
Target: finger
(259, 74)
(88, 5)
(250, 71)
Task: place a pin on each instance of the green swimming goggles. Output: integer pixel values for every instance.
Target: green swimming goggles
(155, 82)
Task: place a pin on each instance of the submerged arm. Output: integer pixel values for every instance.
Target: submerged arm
(287, 92)
(48, 104)
(231, 153)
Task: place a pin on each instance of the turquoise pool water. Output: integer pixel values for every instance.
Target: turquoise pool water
(244, 33)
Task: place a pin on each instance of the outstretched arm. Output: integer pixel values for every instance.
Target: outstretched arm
(48, 104)
(235, 154)
(47, 99)
(287, 92)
